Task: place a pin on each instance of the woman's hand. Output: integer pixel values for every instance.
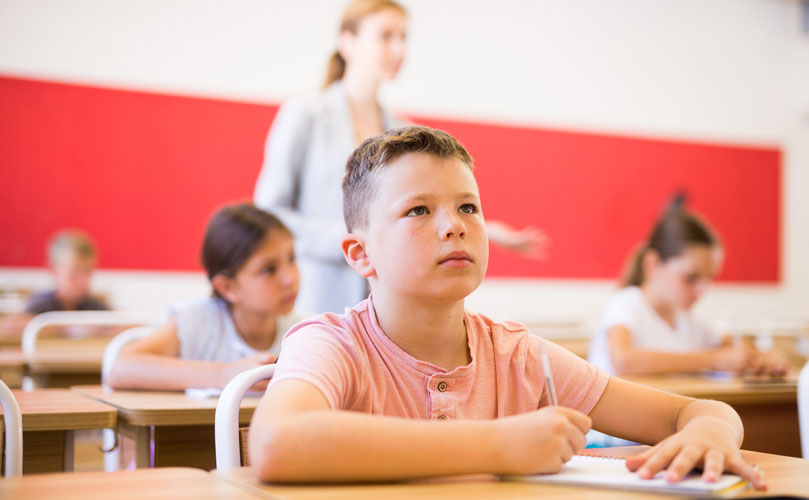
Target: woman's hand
(705, 442)
(529, 241)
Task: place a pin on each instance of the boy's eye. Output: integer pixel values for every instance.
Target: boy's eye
(417, 211)
(271, 269)
(291, 258)
(691, 279)
(469, 208)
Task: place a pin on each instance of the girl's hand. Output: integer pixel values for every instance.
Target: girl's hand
(769, 363)
(705, 442)
(732, 358)
(230, 370)
(541, 441)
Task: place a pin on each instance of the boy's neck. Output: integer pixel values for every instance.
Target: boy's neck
(66, 303)
(435, 333)
(257, 330)
(659, 305)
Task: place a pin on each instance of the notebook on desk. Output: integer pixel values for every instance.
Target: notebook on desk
(608, 472)
(214, 392)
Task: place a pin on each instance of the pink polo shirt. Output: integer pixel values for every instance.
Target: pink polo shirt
(357, 367)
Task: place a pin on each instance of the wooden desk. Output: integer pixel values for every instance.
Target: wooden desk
(67, 362)
(769, 411)
(785, 475)
(12, 367)
(57, 363)
(180, 428)
(146, 484)
(49, 419)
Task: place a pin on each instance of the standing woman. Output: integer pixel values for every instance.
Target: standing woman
(310, 141)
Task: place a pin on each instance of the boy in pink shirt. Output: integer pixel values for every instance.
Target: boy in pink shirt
(410, 384)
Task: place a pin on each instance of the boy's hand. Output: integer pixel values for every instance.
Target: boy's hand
(705, 442)
(541, 441)
(230, 370)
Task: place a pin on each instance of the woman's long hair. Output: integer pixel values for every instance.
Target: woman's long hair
(352, 17)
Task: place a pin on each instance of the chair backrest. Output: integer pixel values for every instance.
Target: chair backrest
(77, 318)
(803, 409)
(12, 422)
(117, 344)
(226, 424)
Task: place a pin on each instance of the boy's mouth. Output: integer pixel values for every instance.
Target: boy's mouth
(457, 257)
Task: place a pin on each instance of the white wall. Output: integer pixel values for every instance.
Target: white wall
(735, 71)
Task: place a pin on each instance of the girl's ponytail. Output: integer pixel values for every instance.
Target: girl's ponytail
(634, 271)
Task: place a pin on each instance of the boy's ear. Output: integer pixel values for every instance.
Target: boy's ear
(353, 245)
(224, 287)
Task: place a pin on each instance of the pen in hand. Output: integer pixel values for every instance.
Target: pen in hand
(546, 370)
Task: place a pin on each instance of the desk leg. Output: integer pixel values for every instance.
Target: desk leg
(42, 451)
(185, 446)
(68, 450)
(771, 428)
(142, 436)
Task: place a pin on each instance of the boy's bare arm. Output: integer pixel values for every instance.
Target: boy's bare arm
(296, 437)
(688, 433)
(153, 363)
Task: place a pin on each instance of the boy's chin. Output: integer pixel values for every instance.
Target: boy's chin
(452, 294)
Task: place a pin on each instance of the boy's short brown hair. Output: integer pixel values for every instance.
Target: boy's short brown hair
(359, 184)
(70, 243)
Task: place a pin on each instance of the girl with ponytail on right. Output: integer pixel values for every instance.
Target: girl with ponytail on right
(647, 327)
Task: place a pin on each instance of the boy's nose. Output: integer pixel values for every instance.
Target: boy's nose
(452, 227)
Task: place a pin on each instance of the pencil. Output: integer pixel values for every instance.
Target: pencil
(546, 370)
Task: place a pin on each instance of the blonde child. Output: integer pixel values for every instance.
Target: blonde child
(647, 327)
(250, 261)
(71, 260)
(410, 384)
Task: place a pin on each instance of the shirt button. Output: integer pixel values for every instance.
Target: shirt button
(441, 417)
(442, 386)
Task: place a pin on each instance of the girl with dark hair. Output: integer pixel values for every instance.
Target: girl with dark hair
(249, 257)
(647, 326)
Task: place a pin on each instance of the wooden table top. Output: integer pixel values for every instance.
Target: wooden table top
(163, 407)
(785, 475)
(140, 484)
(12, 358)
(62, 356)
(62, 409)
(736, 390)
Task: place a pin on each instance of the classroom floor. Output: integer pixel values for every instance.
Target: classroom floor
(88, 454)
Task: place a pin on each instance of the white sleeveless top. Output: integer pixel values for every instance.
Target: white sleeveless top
(206, 332)
(630, 309)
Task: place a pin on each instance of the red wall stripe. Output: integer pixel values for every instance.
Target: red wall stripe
(598, 196)
(142, 172)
